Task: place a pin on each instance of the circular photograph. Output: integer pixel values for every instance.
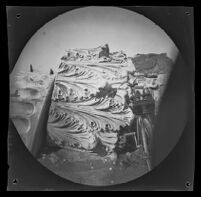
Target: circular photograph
(85, 93)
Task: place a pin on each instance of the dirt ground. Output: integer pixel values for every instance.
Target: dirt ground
(98, 171)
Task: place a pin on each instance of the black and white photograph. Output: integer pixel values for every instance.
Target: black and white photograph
(85, 94)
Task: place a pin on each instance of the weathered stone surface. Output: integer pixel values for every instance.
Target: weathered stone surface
(26, 106)
(89, 99)
(95, 55)
(86, 54)
(152, 63)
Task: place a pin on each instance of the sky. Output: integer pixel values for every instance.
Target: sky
(91, 27)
